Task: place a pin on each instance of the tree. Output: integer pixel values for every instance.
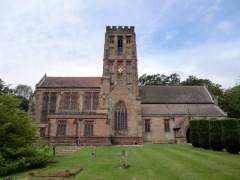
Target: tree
(159, 79)
(215, 89)
(5, 89)
(18, 147)
(23, 91)
(231, 102)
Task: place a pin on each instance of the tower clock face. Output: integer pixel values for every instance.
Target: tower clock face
(120, 69)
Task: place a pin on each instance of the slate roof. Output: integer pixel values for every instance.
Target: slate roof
(70, 82)
(210, 110)
(175, 94)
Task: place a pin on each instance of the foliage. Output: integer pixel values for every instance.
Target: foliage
(215, 89)
(194, 135)
(203, 130)
(18, 147)
(231, 102)
(215, 133)
(230, 135)
(23, 91)
(159, 79)
(5, 89)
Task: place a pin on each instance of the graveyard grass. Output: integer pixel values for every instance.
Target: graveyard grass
(163, 161)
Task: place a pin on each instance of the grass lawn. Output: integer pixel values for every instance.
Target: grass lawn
(163, 161)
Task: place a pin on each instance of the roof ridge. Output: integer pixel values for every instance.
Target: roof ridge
(172, 86)
(74, 77)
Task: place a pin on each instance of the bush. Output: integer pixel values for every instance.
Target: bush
(215, 133)
(203, 130)
(230, 136)
(194, 136)
(31, 157)
(19, 149)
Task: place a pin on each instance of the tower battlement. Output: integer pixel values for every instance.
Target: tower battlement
(119, 28)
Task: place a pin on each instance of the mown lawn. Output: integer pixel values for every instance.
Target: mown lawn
(151, 162)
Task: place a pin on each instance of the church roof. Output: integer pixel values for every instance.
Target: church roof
(175, 95)
(210, 110)
(70, 82)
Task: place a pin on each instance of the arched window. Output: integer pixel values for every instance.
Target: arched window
(120, 116)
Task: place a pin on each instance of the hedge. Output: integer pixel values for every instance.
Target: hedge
(194, 136)
(215, 134)
(230, 135)
(203, 131)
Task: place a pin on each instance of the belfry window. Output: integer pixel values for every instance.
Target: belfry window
(111, 39)
(61, 128)
(128, 39)
(120, 116)
(120, 44)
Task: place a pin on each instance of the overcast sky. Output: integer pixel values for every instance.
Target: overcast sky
(66, 37)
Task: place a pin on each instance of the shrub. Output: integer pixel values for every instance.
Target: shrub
(19, 149)
(31, 157)
(194, 137)
(215, 135)
(203, 130)
(230, 135)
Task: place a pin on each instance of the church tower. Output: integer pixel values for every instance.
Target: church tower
(120, 85)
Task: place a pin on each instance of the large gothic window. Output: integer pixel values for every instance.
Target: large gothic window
(48, 105)
(91, 100)
(70, 101)
(120, 116)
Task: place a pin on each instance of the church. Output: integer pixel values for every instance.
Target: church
(113, 108)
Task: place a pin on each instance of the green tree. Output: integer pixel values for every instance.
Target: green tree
(5, 89)
(18, 147)
(23, 91)
(231, 102)
(215, 89)
(159, 79)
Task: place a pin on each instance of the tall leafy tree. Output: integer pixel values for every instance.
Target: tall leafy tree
(23, 91)
(215, 89)
(159, 79)
(18, 146)
(5, 89)
(231, 102)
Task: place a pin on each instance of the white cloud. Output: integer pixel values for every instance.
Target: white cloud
(220, 62)
(65, 38)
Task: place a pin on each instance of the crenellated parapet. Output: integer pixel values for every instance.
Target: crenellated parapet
(129, 29)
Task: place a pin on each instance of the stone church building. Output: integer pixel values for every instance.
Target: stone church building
(113, 108)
